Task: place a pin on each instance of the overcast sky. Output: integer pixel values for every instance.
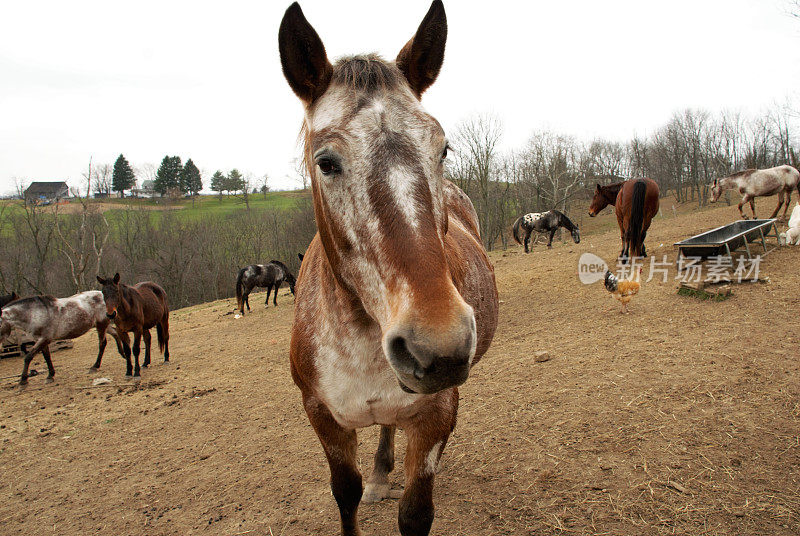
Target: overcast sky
(202, 80)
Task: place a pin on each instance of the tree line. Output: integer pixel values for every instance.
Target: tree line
(553, 170)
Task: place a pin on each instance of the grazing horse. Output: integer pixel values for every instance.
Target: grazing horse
(544, 222)
(136, 309)
(48, 319)
(752, 183)
(8, 298)
(269, 275)
(396, 298)
(636, 203)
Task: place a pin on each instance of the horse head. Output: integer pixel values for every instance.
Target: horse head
(599, 202)
(576, 235)
(376, 162)
(111, 294)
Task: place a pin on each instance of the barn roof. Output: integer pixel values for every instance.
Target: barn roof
(46, 188)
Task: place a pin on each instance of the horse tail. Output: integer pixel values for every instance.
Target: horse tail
(239, 300)
(515, 230)
(160, 334)
(637, 216)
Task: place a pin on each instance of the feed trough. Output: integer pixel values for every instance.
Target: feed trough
(19, 343)
(728, 238)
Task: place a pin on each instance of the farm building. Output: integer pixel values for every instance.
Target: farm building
(46, 192)
(147, 190)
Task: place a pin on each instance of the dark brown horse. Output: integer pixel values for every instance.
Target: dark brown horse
(636, 203)
(396, 298)
(136, 309)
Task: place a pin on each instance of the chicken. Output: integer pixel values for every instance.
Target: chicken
(623, 290)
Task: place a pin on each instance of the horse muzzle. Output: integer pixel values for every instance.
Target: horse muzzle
(592, 214)
(112, 315)
(429, 364)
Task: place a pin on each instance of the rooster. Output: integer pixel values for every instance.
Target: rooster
(623, 290)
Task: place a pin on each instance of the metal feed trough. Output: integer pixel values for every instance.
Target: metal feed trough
(723, 240)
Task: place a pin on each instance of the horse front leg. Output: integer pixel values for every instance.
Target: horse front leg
(340, 447)
(125, 342)
(780, 204)
(550, 242)
(269, 289)
(146, 337)
(137, 342)
(377, 487)
(23, 378)
(427, 438)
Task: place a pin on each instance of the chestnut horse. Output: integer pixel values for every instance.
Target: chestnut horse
(396, 298)
(752, 183)
(636, 203)
(136, 308)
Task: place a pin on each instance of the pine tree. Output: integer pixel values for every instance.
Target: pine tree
(235, 181)
(191, 181)
(123, 177)
(218, 183)
(168, 176)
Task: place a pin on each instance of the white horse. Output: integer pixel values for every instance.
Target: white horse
(793, 234)
(752, 183)
(48, 319)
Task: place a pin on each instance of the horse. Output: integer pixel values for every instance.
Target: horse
(136, 309)
(48, 319)
(544, 222)
(8, 298)
(396, 297)
(269, 275)
(636, 203)
(793, 233)
(752, 183)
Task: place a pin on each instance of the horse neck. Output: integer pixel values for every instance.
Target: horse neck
(611, 192)
(565, 222)
(125, 298)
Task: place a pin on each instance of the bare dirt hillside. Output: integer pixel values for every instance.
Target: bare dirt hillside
(680, 418)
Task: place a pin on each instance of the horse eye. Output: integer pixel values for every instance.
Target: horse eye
(444, 153)
(326, 166)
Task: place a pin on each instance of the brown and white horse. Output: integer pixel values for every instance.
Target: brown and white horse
(396, 298)
(752, 183)
(635, 204)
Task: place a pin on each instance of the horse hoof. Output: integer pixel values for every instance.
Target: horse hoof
(129, 375)
(137, 379)
(93, 369)
(374, 493)
(23, 383)
(49, 379)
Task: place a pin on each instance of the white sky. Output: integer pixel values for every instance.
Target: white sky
(202, 80)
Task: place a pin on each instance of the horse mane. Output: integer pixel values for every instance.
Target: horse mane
(279, 263)
(43, 300)
(743, 174)
(564, 220)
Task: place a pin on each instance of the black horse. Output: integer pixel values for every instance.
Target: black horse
(543, 222)
(269, 275)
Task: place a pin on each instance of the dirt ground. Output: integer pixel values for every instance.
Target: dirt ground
(680, 418)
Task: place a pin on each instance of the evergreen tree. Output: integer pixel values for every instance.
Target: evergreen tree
(218, 183)
(123, 177)
(191, 181)
(168, 176)
(235, 181)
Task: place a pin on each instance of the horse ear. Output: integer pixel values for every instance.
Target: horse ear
(101, 280)
(421, 58)
(14, 295)
(598, 186)
(116, 278)
(303, 58)
(300, 256)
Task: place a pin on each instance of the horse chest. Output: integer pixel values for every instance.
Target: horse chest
(358, 386)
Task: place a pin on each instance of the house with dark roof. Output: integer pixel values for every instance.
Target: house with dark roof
(46, 192)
